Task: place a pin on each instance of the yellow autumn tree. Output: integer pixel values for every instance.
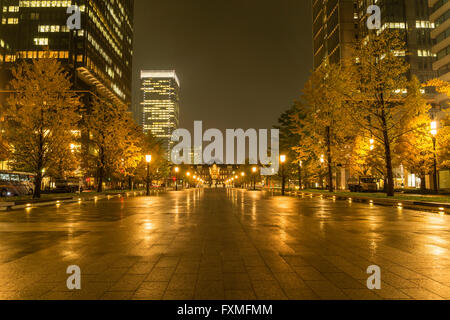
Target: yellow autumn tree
(382, 102)
(40, 118)
(324, 130)
(108, 128)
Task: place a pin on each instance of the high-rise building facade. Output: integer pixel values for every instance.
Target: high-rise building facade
(440, 16)
(98, 55)
(160, 104)
(338, 23)
(411, 18)
(333, 30)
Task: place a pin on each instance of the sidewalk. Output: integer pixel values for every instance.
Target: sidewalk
(61, 199)
(399, 200)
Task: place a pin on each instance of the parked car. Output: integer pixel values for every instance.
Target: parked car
(69, 185)
(363, 184)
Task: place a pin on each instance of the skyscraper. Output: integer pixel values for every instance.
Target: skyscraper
(440, 16)
(412, 20)
(333, 30)
(98, 56)
(160, 104)
(338, 23)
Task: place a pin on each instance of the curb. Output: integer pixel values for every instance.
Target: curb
(10, 206)
(435, 207)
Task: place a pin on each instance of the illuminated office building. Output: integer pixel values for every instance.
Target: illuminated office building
(412, 20)
(98, 56)
(337, 24)
(161, 104)
(334, 30)
(440, 16)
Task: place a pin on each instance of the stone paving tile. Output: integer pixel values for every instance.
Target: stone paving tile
(240, 295)
(168, 262)
(344, 281)
(309, 273)
(362, 294)
(186, 294)
(207, 244)
(422, 294)
(128, 283)
(150, 291)
(160, 274)
(434, 287)
(406, 273)
(235, 266)
(188, 267)
(236, 281)
(260, 273)
(56, 295)
(141, 268)
(118, 295)
(182, 281)
(290, 280)
(397, 281)
(209, 290)
(268, 290)
(301, 294)
(326, 290)
(389, 292)
(210, 275)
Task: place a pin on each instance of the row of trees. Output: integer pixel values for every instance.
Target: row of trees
(49, 131)
(366, 115)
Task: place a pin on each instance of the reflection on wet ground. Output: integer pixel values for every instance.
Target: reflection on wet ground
(223, 244)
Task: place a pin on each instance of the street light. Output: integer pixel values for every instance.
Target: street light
(434, 132)
(148, 159)
(188, 174)
(176, 178)
(254, 169)
(283, 178)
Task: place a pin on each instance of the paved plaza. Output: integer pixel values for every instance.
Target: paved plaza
(223, 244)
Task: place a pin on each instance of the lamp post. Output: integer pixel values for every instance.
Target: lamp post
(283, 177)
(300, 180)
(176, 178)
(434, 131)
(148, 159)
(188, 174)
(254, 169)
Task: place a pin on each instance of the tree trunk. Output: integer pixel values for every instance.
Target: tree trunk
(101, 173)
(300, 182)
(388, 155)
(423, 183)
(330, 169)
(37, 186)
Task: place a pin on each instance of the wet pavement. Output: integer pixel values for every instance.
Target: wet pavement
(223, 244)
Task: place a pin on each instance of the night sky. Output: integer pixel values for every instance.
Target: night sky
(240, 62)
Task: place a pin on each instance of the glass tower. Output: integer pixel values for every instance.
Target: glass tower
(98, 56)
(160, 104)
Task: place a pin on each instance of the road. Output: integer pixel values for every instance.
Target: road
(223, 244)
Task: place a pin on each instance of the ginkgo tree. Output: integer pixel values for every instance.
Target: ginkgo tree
(381, 100)
(325, 127)
(40, 118)
(109, 134)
